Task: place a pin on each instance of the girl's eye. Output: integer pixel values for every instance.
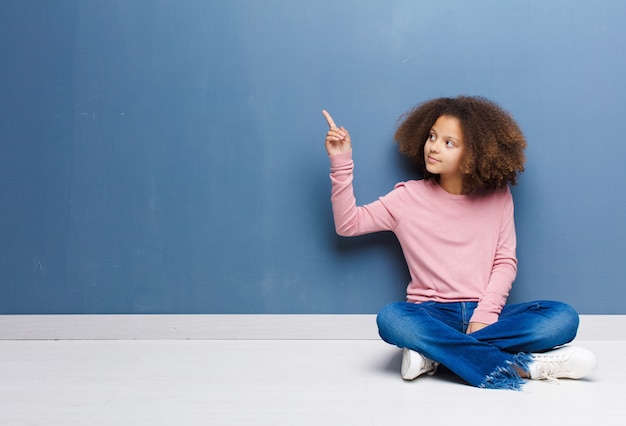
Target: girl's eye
(431, 137)
(449, 144)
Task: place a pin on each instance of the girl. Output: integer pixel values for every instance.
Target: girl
(457, 234)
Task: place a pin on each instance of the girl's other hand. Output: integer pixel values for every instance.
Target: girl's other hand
(475, 326)
(337, 139)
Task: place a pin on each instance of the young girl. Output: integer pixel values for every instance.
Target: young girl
(457, 234)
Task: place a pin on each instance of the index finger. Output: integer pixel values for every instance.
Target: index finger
(329, 119)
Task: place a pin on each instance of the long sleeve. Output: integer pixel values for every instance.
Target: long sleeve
(504, 269)
(350, 219)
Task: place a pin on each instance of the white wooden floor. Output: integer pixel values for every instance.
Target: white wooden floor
(277, 382)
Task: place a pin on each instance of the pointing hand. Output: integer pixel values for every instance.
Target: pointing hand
(337, 139)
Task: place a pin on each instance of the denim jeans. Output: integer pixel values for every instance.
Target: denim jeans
(488, 357)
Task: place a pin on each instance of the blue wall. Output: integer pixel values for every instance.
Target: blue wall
(167, 156)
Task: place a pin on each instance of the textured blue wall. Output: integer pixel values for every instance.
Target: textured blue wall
(167, 156)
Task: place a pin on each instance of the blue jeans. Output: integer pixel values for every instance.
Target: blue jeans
(489, 357)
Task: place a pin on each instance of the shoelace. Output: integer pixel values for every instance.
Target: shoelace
(548, 378)
(431, 367)
(550, 368)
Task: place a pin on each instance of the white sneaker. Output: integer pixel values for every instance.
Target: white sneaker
(568, 362)
(414, 364)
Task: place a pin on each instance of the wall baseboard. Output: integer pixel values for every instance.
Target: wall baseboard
(234, 327)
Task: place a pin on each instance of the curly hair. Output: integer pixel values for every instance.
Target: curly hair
(493, 142)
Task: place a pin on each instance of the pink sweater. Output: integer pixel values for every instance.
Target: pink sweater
(457, 247)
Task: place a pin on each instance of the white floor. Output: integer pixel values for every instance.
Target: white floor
(277, 382)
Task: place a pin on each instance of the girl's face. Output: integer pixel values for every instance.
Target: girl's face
(443, 153)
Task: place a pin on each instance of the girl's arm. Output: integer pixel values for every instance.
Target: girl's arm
(350, 219)
(503, 271)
